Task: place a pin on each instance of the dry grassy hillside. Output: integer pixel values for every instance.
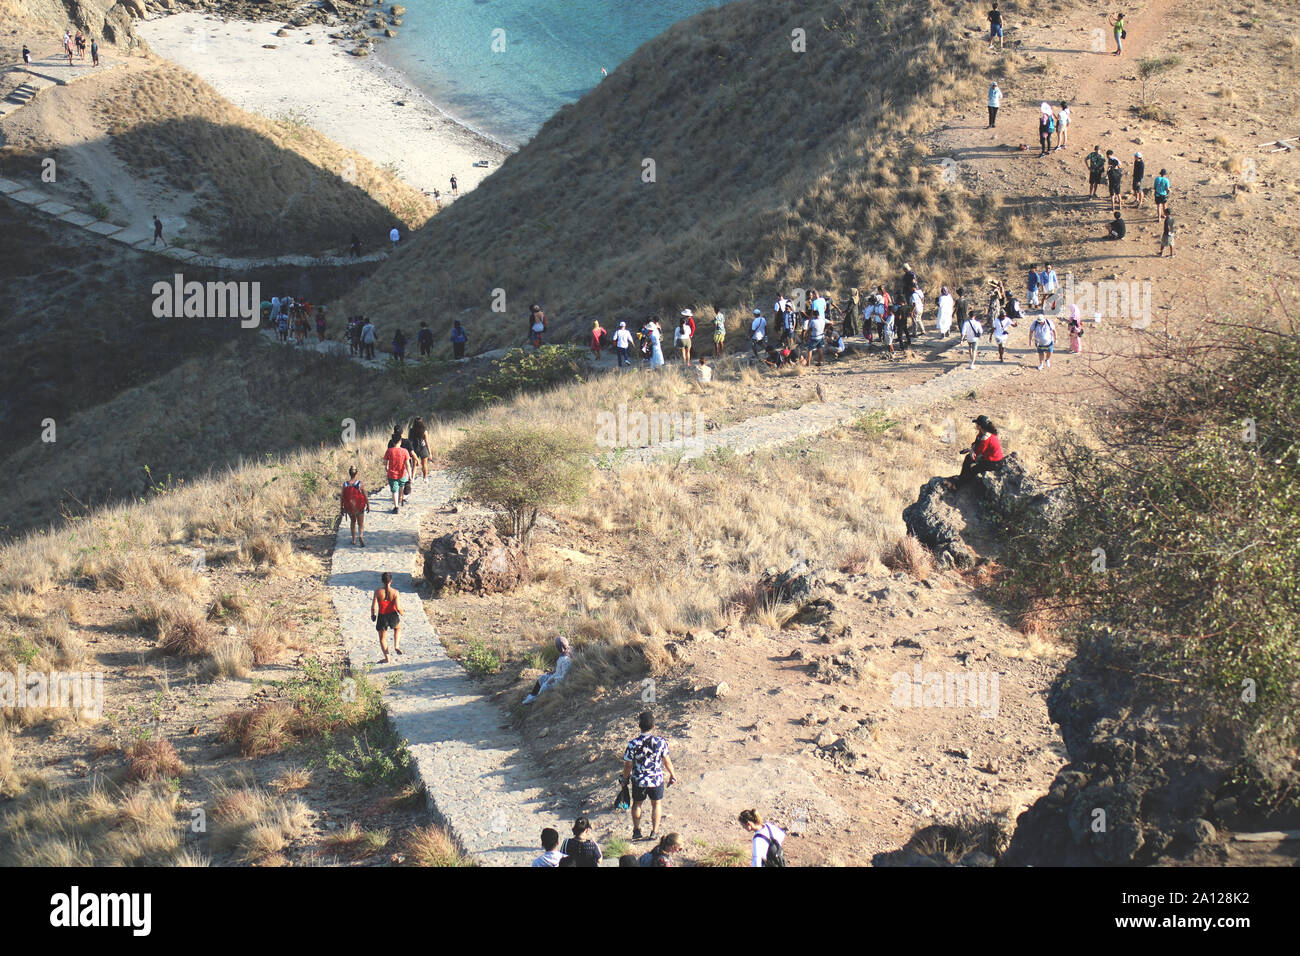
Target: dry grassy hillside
(770, 168)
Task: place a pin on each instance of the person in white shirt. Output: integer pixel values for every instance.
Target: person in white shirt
(703, 374)
(971, 331)
(757, 331)
(765, 835)
(551, 844)
(1062, 125)
(1043, 333)
(779, 306)
(918, 308)
(1002, 325)
(622, 343)
(995, 100)
(817, 335)
(946, 305)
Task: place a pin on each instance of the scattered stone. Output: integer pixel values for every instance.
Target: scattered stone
(477, 560)
(721, 690)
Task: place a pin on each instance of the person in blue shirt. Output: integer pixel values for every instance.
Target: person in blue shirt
(458, 339)
(1033, 286)
(1160, 190)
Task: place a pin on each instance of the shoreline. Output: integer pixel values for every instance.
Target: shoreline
(349, 99)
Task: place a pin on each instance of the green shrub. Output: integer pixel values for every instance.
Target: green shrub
(479, 660)
(531, 370)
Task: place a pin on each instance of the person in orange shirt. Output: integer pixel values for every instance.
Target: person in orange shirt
(985, 452)
(386, 612)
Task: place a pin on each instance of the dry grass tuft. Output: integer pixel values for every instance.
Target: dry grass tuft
(295, 778)
(256, 825)
(265, 729)
(185, 630)
(154, 759)
(433, 846)
(356, 842)
(910, 556)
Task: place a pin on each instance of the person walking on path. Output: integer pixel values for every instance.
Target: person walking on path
(946, 304)
(656, 346)
(396, 459)
(971, 330)
(157, 232)
(597, 338)
(622, 343)
(995, 101)
(420, 447)
(757, 331)
(995, 26)
(458, 339)
(1167, 236)
(644, 761)
(386, 612)
(719, 333)
(585, 852)
(1043, 334)
(94, 53)
(1121, 34)
(355, 503)
(1139, 171)
(1096, 165)
(27, 55)
(1160, 190)
(1075, 325)
(394, 237)
(537, 324)
(985, 452)
(769, 839)
(1001, 329)
(399, 347)
(424, 339)
(368, 339)
(1062, 125)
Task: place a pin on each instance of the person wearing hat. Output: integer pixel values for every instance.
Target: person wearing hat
(622, 342)
(757, 331)
(995, 101)
(689, 316)
(985, 452)
(1139, 171)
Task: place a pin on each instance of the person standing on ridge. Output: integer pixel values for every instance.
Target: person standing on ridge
(995, 101)
(644, 761)
(455, 189)
(458, 339)
(157, 232)
(1096, 165)
(1121, 34)
(995, 26)
(424, 339)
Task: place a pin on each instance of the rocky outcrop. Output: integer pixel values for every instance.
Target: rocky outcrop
(477, 560)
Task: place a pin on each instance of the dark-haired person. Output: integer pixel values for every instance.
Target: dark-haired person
(551, 855)
(157, 223)
(420, 447)
(399, 346)
(386, 612)
(1160, 192)
(583, 851)
(1117, 25)
(1139, 171)
(765, 835)
(1115, 182)
(355, 503)
(1116, 229)
(1096, 166)
(662, 854)
(995, 26)
(536, 325)
(644, 761)
(1167, 236)
(985, 452)
(1042, 332)
(396, 462)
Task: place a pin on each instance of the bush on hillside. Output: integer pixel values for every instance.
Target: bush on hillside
(522, 470)
(530, 370)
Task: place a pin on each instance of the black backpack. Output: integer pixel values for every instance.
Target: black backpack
(775, 852)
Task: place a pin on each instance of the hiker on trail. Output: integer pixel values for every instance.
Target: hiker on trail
(354, 502)
(94, 53)
(995, 26)
(943, 321)
(1043, 334)
(757, 331)
(1096, 164)
(407, 445)
(995, 101)
(1121, 34)
(368, 339)
(157, 228)
(971, 330)
(320, 324)
(386, 612)
(458, 339)
(985, 452)
(918, 311)
(768, 839)
(903, 324)
(1117, 229)
(644, 762)
(27, 55)
(1160, 190)
(536, 324)
(1167, 237)
(424, 339)
(1050, 284)
(622, 343)
(888, 330)
(961, 307)
(1046, 127)
(420, 447)
(396, 460)
(579, 848)
(455, 189)
(719, 333)
(656, 337)
(597, 338)
(682, 338)
(563, 661)
(1139, 171)
(662, 854)
(394, 237)
(282, 328)
(1000, 328)
(1031, 287)
(1062, 124)
(550, 844)
(399, 346)
(1115, 183)
(1075, 324)
(354, 248)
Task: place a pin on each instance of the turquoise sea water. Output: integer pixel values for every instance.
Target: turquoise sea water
(549, 53)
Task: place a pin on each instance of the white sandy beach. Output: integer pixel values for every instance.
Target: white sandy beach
(349, 99)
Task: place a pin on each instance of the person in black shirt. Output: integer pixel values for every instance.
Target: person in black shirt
(425, 339)
(1115, 182)
(995, 26)
(1139, 171)
(1117, 229)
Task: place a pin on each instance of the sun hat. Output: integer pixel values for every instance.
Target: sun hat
(688, 312)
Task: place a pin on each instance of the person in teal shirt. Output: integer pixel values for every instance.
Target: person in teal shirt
(1160, 189)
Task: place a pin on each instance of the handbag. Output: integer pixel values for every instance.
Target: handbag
(624, 799)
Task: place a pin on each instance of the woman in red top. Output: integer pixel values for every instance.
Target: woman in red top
(386, 612)
(985, 452)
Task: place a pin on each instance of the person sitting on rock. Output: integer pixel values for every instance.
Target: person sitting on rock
(985, 452)
(562, 664)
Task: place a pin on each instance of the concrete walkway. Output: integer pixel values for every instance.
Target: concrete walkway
(482, 783)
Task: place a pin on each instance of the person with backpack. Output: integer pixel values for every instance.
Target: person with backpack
(458, 339)
(644, 761)
(424, 339)
(1096, 164)
(396, 461)
(662, 854)
(386, 612)
(1043, 334)
(971, 330)
(985, 451)
(1046, 128)
(355, 503)
(768, 839)
(584, 852)
(1001, 329)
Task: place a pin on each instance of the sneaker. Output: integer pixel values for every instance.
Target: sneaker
(636, 834)
(972, 364)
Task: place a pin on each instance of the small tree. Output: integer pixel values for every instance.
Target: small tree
(1151, 66)
(522, 470)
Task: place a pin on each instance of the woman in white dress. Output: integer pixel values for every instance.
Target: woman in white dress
(656, 346)
(946, 305)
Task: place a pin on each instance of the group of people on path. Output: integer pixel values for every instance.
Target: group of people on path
(72, 42)
(294, 317)
(648, 772)
(1108, 169)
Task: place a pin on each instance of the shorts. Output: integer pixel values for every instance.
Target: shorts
(1044, 348)
(817, 343)
(422, 450)
(719, 337)
(1160, 200)
(1115, 188)
(1000, 339)
(1166, 241)
(387, 622)
(684, 342)
(640, 793)
(396, 484)
(995, 31)
(1094, 179)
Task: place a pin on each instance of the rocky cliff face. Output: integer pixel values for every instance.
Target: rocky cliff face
(108, 20)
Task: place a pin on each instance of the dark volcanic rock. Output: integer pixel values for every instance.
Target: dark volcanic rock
(477, 560)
